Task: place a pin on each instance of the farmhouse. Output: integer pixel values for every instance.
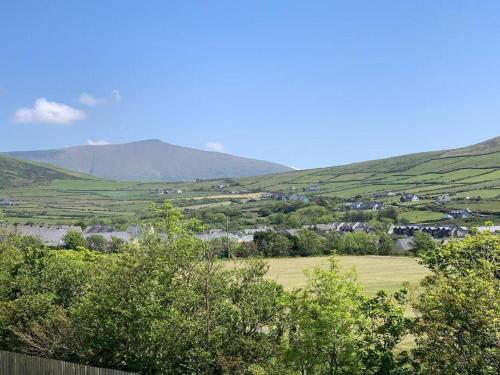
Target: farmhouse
(6, 203)
(458, 214)
(409, 197)
(443, 198)
(364, 206)
(313, 189)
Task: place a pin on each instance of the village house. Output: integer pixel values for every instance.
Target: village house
(313, 189)
(384, 194)
(298, 198)
(364, 206)
(50, 235)
(458, 214)
(6, 203)
(437, 231)
(409, 197)
(443, 198)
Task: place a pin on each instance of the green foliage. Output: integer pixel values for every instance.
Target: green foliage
(74, 240)
(310, 243)
(326, 325)
(459, 308)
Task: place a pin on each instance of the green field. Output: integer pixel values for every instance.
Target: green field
(374, 272)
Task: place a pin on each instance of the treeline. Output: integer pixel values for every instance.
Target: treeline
(166, 305)
(306, 242)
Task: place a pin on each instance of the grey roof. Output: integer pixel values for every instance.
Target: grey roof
(50, 235)
(404, 244)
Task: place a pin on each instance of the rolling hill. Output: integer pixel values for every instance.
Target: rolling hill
(472, 167)
(471, 172)
(17, 173)
(151, 160)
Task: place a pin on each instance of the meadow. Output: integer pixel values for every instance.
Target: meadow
(374, 272)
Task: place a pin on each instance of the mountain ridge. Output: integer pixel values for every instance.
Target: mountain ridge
(151, 160)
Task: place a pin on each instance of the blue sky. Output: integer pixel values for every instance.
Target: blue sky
(304, 83)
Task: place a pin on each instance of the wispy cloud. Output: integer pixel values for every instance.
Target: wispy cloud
(47, 112)
(89, 100)
(297, 169)
(97, 142)
(215, 146)
(117, 96)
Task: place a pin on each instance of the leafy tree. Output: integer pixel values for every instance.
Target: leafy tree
(423, 243)
(326, 325)
(96, 242)
(310, 243)
(387, 327)
(459, 309)
(74, 240)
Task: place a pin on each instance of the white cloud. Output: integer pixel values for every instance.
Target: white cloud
(89, 100)
(116, 95)
(48, 112)
(97, 142)
(215, 146)
(297, 169)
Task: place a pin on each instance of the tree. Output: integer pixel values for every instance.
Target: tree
(74, 240)
(326, 325)
(387, 327)
(423, 243)
(458, 324)
(310, 243)
(96, 242)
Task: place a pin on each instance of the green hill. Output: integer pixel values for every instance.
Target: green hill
(17, 173)
(470, 168)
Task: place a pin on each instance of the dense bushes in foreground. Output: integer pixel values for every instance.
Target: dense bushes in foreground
(168, 306)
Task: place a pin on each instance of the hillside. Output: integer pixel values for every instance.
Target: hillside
(14, 173)
(472, 172)
(151, 160)
(476, 166)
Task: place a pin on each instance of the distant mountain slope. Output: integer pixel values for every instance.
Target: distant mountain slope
(14, 173)
(463, 169)
(151, 160)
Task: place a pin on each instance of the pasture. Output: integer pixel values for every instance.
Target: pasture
(374, 272)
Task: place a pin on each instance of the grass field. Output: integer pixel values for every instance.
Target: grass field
(374, 272)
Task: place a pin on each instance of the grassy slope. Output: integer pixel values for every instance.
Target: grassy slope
(14, 173)
(472, 171)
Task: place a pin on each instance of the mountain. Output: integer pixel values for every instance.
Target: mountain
(463, 169)
(15, 173)
(151, 160)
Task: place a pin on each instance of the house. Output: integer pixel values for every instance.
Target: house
(6, 203)
(493, 229)
(266, 194)
(364, 206)
(458, 214)
(409, 197)
(404, 245)
(50, 235)
(443, 198)
(298, 198)
(438, 231)
(313, 189)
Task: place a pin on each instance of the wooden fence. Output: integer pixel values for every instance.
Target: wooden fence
(21, 364)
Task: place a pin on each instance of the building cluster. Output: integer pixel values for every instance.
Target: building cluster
(437, 231)
(169, 191)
